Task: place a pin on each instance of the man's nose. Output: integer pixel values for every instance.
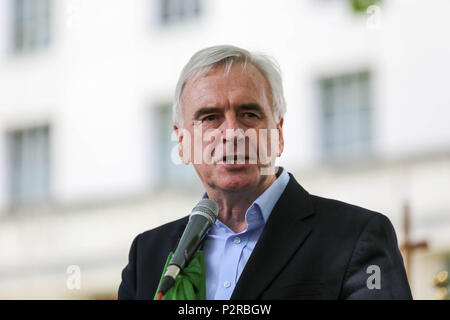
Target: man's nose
(229, 128)
(230, 121)
(229, 124)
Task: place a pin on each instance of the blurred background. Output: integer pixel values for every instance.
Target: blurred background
(85, 125)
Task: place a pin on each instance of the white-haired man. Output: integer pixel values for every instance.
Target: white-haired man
(272, 239)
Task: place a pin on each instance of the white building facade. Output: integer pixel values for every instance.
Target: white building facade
(85, 124)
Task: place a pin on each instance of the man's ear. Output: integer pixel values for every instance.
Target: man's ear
(184, 148)
(280, 137)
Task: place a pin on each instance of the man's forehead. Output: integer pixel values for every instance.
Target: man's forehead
(243, 78)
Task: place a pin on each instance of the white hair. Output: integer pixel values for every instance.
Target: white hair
(206, 59)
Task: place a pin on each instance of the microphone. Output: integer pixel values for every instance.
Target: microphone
(201, 219)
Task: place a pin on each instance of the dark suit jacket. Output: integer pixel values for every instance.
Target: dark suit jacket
(310, 248)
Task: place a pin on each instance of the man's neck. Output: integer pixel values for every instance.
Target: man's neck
(234, 204)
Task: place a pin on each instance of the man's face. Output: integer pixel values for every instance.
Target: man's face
(222, 104)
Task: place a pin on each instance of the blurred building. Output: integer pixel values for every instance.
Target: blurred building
(85, 122)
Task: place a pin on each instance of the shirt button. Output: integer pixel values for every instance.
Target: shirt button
(227, 284)
(237, 240)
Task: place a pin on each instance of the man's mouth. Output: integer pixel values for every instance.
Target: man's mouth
(237, 159)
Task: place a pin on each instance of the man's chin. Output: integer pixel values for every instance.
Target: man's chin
(236, 176)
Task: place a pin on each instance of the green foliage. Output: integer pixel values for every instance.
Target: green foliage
(360, 6)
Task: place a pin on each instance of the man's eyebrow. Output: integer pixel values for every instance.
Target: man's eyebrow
(251, 107)
(206, 110)
(242, 107)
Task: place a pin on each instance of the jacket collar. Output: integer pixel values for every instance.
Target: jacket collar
(283, 234)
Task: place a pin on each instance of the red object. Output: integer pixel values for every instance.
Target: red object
(160, 295)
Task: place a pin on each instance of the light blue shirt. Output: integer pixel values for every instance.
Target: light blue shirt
(226, 252)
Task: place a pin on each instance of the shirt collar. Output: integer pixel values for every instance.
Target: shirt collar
(267, 200)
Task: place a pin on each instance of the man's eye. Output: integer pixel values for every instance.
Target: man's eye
(209, 118)
(249, 115)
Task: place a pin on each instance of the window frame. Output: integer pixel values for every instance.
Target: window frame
(346, 99)
(28, 157)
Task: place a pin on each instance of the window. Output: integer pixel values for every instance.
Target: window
(170, 169)
(31, 25)
(346, 115)
(175, 11)
(29, 166)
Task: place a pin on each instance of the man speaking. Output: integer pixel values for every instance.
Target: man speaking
(271, 239)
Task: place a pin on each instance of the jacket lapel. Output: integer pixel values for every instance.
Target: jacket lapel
(283, 234)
